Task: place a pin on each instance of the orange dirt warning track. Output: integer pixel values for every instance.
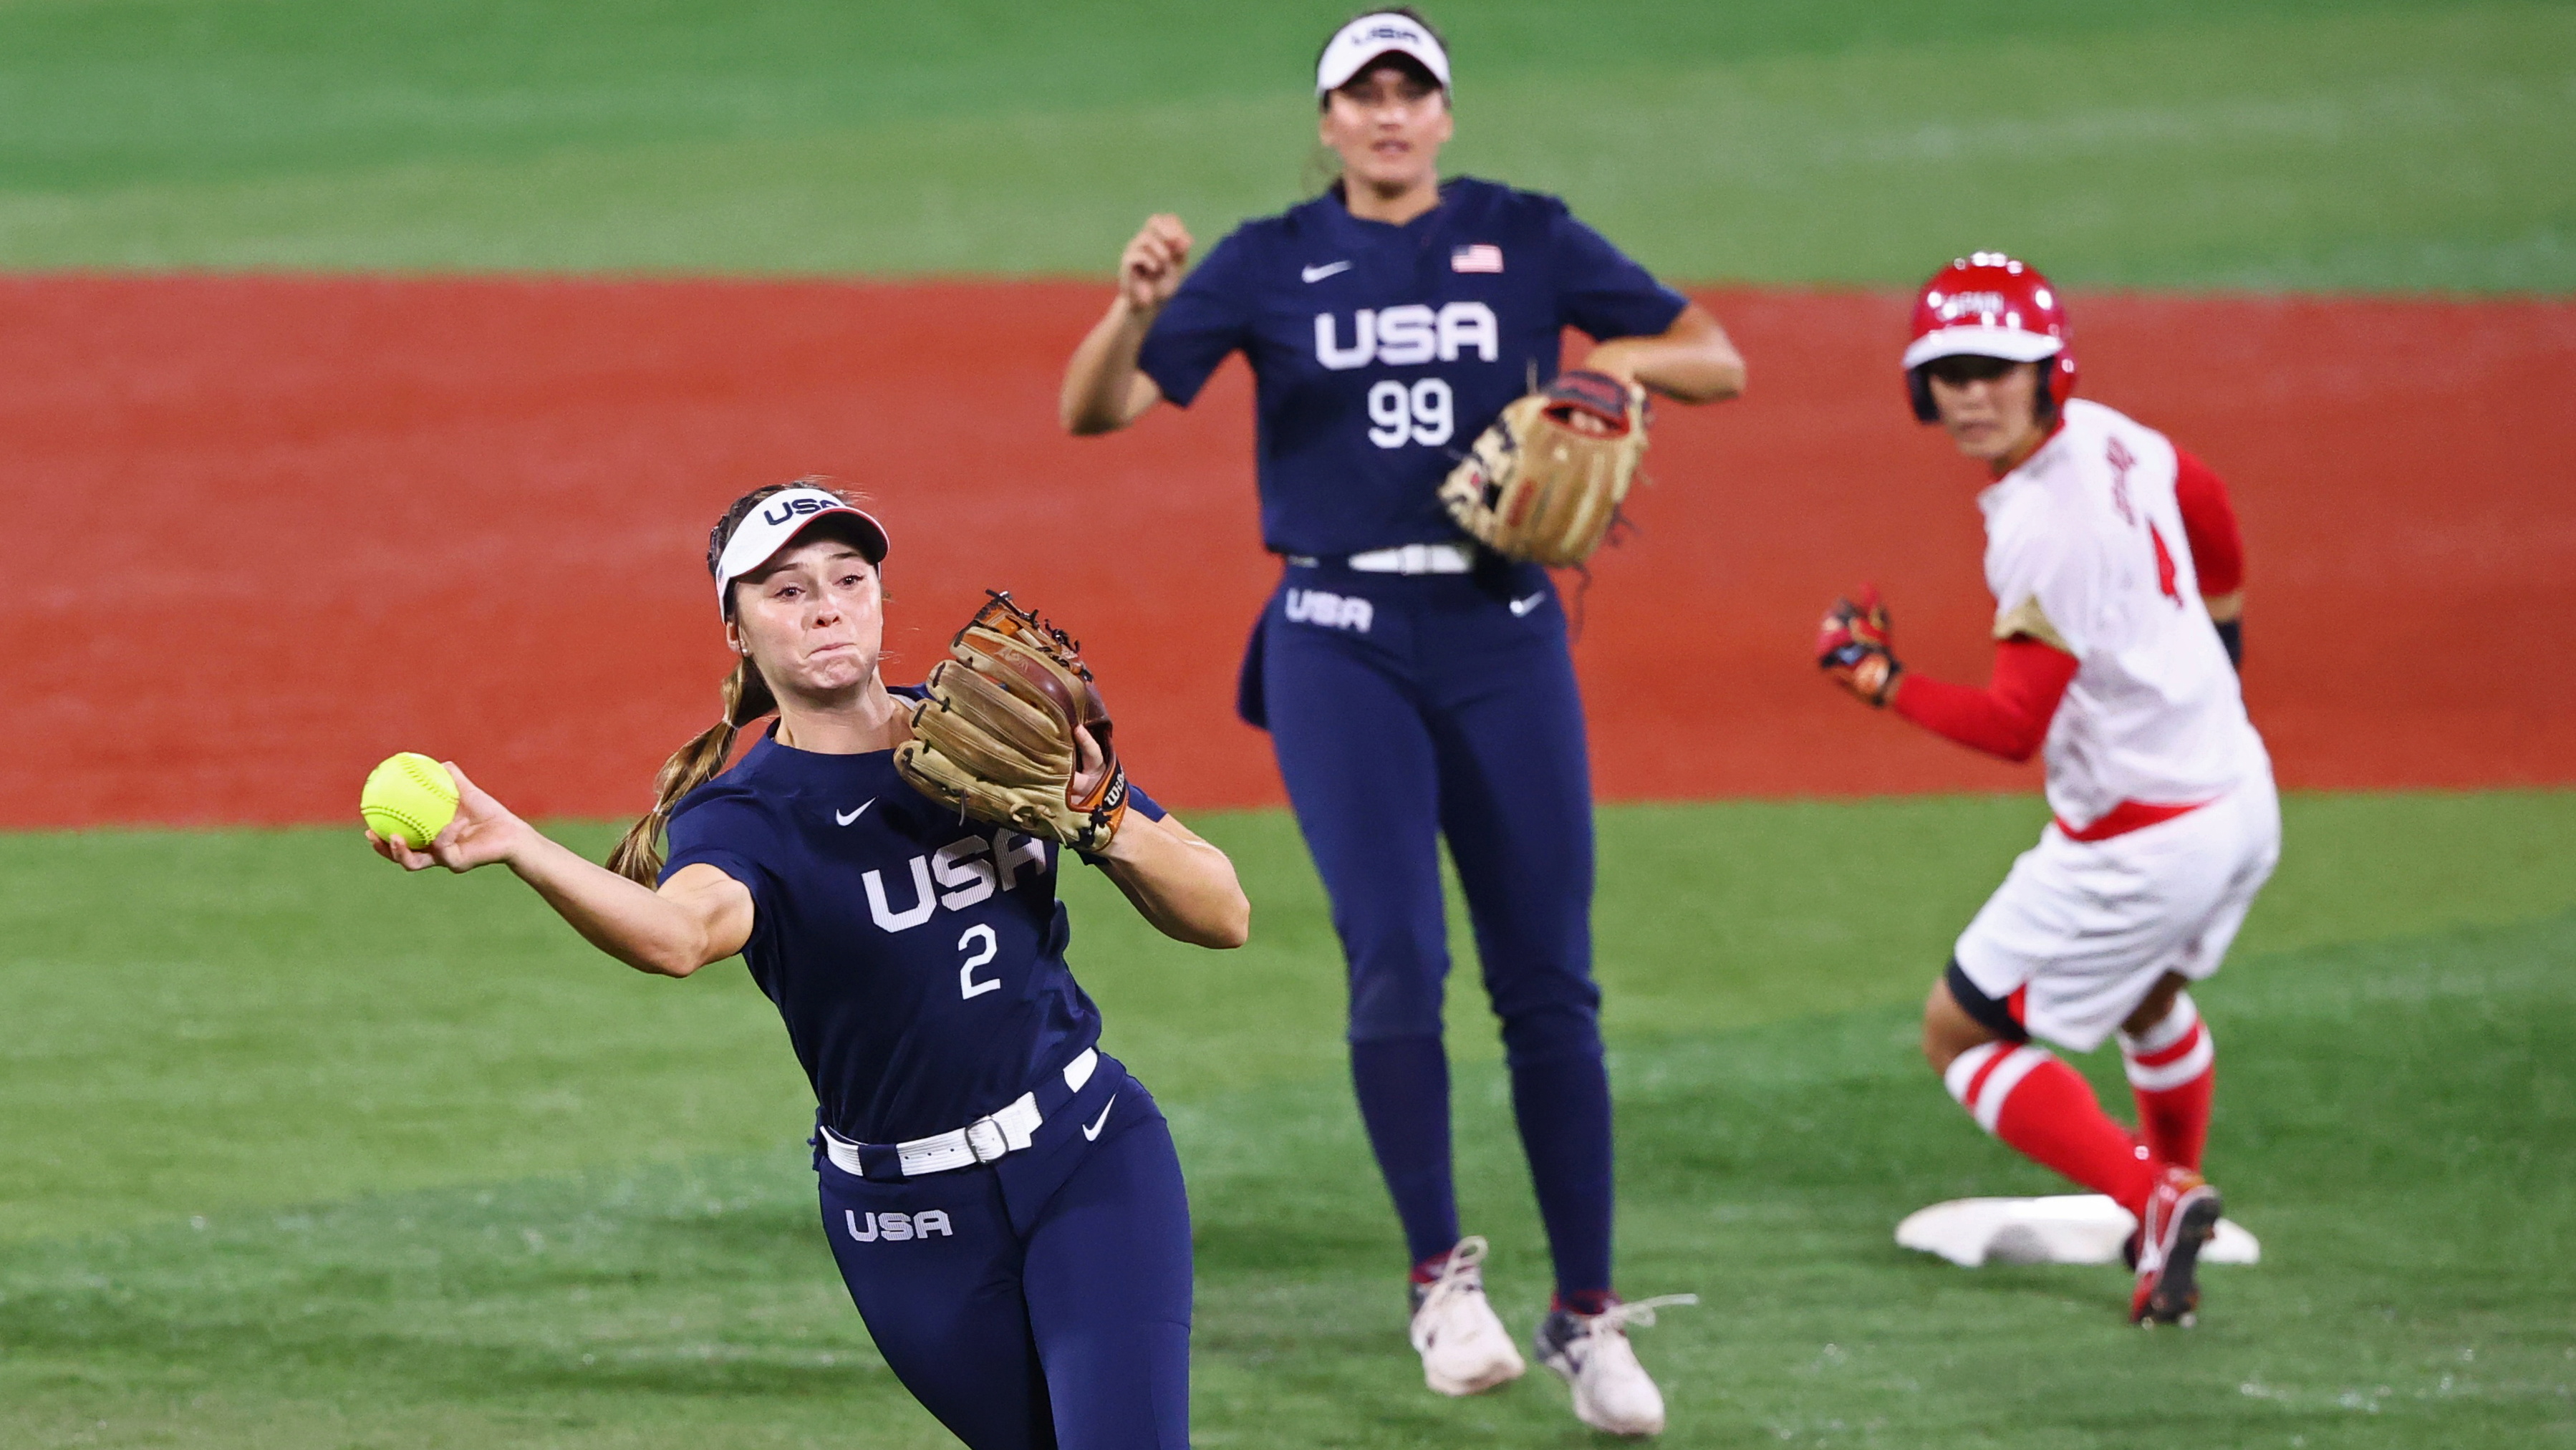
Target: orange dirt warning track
(256, 533)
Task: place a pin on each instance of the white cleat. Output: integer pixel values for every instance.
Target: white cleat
(1465, 1349)
(1591, 1353)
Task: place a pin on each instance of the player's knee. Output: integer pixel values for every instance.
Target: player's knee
(1385, 1010)
(1958, 1016)
(1571, 1030)
(1942, 1041)
(1396, 994)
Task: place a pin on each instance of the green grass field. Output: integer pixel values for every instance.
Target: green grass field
(2286, 143)
(308, 1153)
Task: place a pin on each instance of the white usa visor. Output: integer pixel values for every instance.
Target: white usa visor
(1981, 341)
(1371, 36)
(774, 523)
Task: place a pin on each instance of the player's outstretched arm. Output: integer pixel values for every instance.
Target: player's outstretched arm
(1692, 361)
(700, 915)
(2008, 719)
(1103, 391)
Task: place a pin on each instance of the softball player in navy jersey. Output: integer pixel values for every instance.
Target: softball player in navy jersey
(1414, 688)
(1003, 1198)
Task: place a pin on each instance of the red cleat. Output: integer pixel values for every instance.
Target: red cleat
(2182, 1212)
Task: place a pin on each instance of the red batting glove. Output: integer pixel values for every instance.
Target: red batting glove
(1853, 647)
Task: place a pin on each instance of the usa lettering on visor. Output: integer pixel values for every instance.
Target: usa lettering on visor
(777, 520)
(792, 508)
(1374, 35)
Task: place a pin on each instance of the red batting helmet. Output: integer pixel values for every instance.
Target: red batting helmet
(1987, 304)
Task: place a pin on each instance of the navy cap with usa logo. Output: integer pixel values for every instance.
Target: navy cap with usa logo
(775, 521)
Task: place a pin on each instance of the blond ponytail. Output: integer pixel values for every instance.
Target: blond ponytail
(638, 856)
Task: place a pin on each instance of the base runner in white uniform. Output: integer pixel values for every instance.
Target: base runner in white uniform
(2116, 569)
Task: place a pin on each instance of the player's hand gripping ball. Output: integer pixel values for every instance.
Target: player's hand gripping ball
(1854, 647)
(1545, 481)
(997, 738)
(410, 798)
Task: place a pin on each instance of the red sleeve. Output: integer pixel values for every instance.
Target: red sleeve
(2209, 524)
(2010, 716)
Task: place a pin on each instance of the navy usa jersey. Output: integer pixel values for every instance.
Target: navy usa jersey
(917, 959)
(1379, 352)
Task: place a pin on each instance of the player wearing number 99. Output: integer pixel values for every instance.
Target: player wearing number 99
(1003, 1199)
(1412, 686)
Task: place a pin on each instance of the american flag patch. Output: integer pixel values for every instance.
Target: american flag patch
(1482, 257)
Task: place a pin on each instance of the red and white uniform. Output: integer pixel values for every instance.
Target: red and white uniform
(2166, 819)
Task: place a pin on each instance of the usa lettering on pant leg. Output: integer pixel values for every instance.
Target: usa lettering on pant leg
(895, 1228)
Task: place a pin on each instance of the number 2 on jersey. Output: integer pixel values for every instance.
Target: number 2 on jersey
(1418, 414)
(967, 986)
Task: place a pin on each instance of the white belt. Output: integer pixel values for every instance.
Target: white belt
(981, 1141)
(1416, 559)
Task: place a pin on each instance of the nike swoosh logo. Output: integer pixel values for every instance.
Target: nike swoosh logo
(843, 818)
(1524, 606)
(1318, 274)
(1092, 1133)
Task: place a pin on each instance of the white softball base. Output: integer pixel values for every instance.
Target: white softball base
(2066, 1228)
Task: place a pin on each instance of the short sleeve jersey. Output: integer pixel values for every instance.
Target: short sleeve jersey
(2085, 550)
(918, 960)
(1379, 352)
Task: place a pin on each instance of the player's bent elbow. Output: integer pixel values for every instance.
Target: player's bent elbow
(1235, 930)
(1699, 381)
(1089, 411)
(1084, 422)
(1724, 382)
(1219, 926)
(663, 962)
(2020, 736)
(675, 957)
(1226, 924)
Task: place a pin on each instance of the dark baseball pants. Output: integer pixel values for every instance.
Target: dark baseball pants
(1405, 709)
(1041, 1302)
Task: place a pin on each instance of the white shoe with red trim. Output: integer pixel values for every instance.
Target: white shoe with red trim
(1465, 1348)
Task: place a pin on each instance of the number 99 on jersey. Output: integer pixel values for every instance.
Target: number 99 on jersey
(1418, 414)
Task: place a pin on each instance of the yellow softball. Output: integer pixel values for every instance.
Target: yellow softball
(410, 798)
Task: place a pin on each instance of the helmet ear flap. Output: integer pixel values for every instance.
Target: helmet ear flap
(1918, 387)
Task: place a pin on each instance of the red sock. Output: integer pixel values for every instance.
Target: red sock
(2172, 1068)
(2030, 1099)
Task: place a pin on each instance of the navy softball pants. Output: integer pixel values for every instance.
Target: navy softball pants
(1409, 708)
(1040, 1302)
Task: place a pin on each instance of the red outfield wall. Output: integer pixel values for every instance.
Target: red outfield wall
(256, 533)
